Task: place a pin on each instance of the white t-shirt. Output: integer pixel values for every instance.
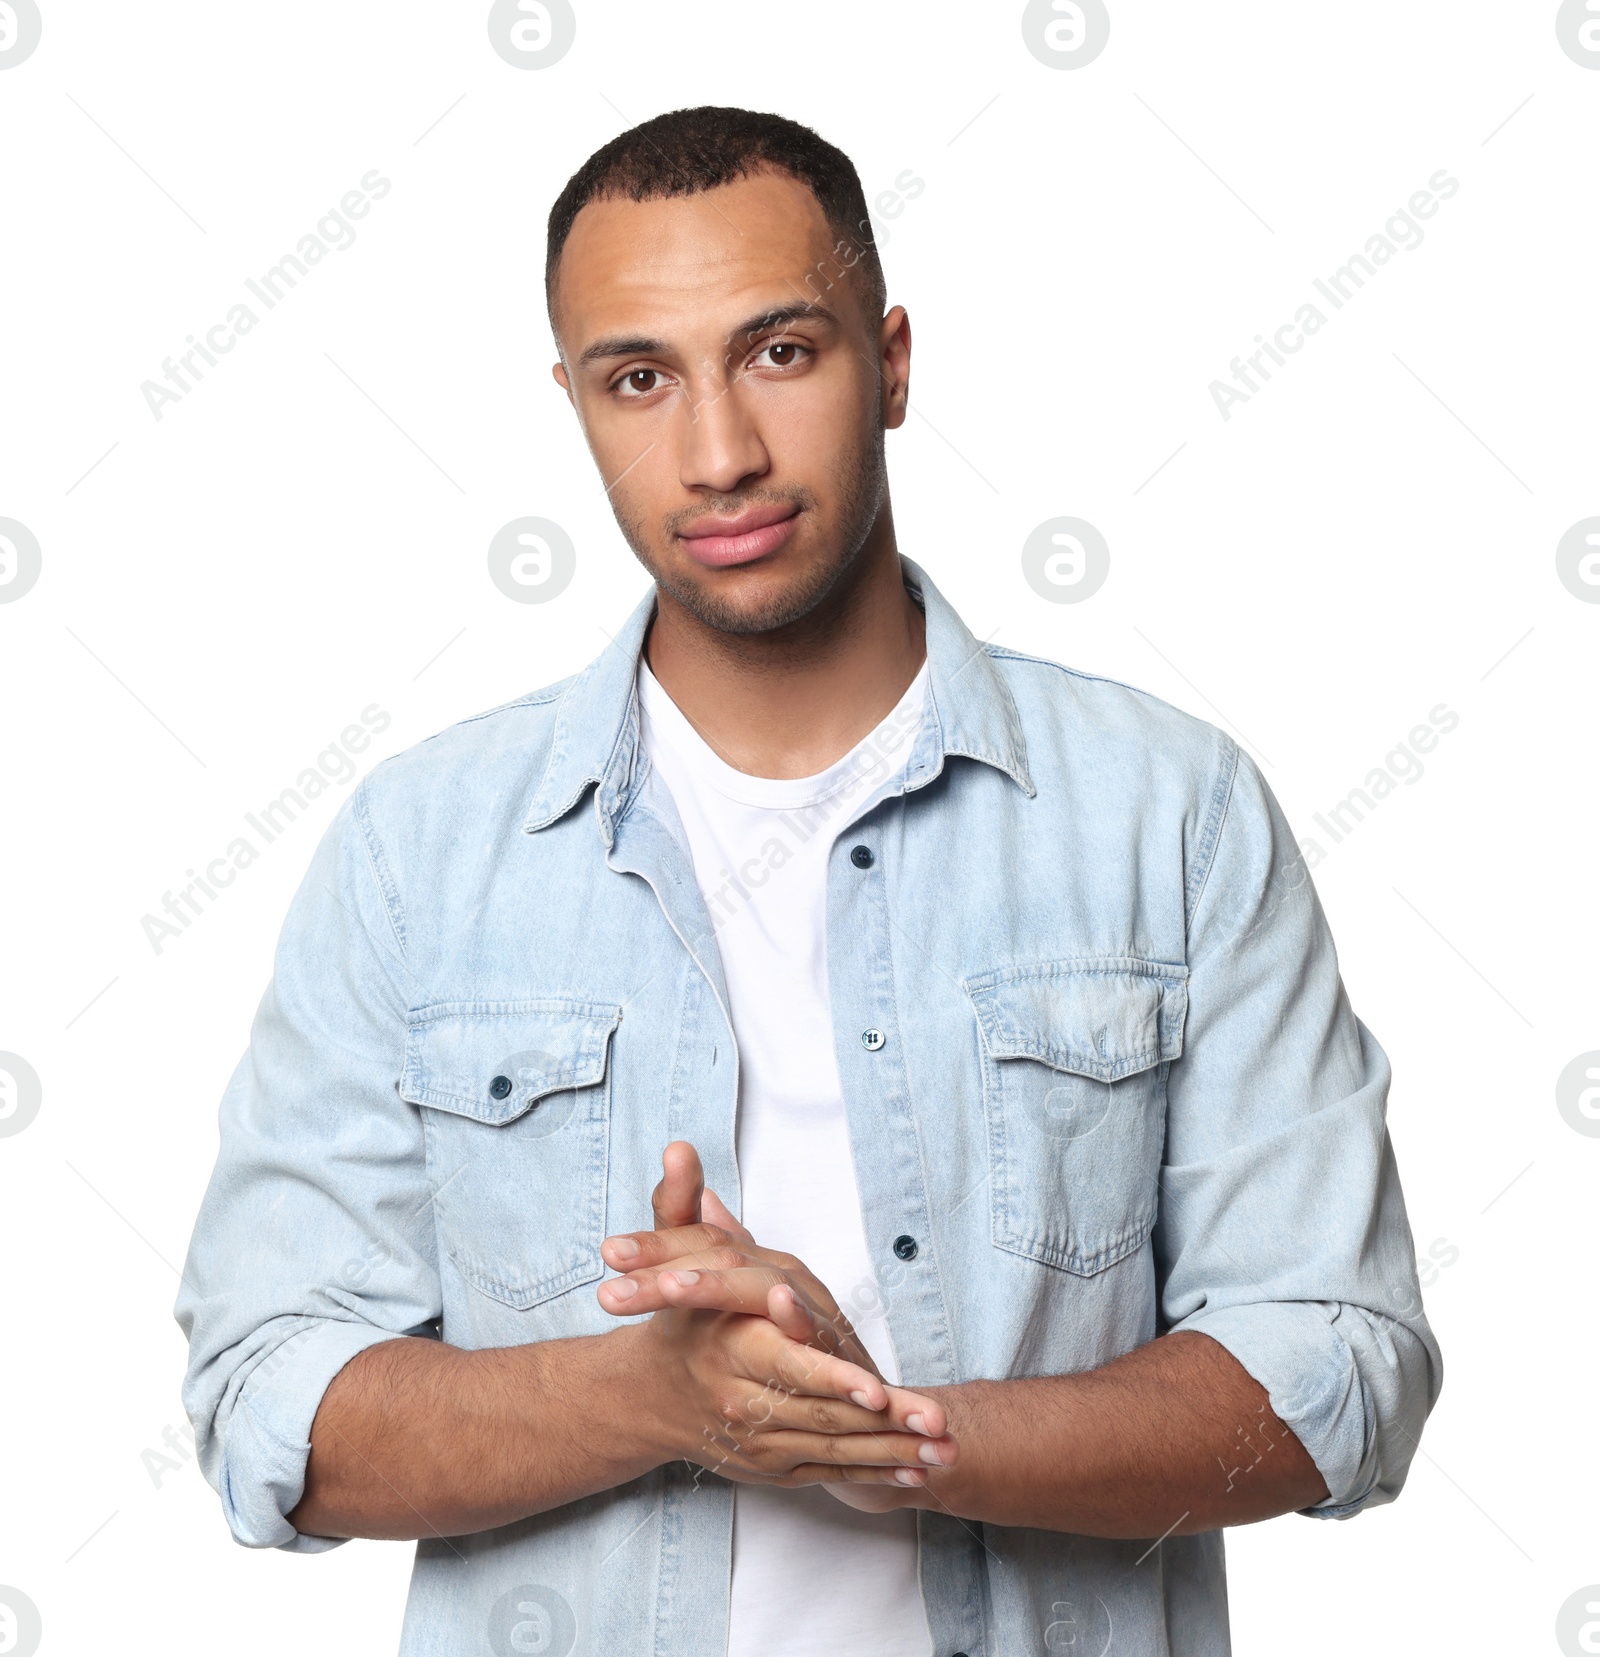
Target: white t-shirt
(809, 1574)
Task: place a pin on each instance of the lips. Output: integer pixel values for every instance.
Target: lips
(721, 542)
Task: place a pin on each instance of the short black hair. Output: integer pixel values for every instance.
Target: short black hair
(686, 151)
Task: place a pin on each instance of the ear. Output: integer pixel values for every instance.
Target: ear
(894, 358)
(558, 372)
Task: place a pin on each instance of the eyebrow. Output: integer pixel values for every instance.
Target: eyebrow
(644, 345)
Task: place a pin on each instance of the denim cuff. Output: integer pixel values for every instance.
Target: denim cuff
(268, 1434)
(1315, 1388)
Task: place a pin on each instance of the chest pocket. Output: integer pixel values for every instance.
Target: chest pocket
(515, 1099)
(1075, 1057)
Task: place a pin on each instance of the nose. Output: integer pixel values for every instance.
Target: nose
(721, 446)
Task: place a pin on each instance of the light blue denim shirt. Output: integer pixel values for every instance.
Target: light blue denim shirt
(1120, 1091)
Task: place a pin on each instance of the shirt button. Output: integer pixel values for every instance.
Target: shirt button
(861, 856)
(499, 1087)
(905, 1247)
(872, 1040)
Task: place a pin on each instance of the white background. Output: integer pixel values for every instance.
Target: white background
(304, 534)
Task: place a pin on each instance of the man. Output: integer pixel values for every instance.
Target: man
(993, 999)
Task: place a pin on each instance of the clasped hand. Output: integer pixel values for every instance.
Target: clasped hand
(765, 1380)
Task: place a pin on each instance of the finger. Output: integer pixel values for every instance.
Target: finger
(901, 1411)
(870, 1449)
(887, 1479)
(755, 1290)
(743, 1289)
(790, 1314)
(759, 1290)
(900, 1478)
(915, 1412)
(630, 1250)
(676, 1200)
(808, 1371)
(812, 1325)
(714, 1212)
(770, 1357)
(773, 1409)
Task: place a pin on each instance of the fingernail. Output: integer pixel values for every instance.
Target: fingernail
(686, 1280)
(908, 1475)
(861, 1399)
(623, 1288)
(917, 1424)
(624, 1247)
(930, 1454)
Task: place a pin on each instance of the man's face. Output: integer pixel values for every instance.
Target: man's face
(733, 392)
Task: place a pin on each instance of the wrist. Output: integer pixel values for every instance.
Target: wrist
(948, 1488)
(632, 1393)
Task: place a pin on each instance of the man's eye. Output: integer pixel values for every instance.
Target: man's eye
(640, 382)
(783, 353)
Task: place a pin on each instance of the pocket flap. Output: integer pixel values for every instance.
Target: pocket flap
(1106, 1018)
(492, 1060)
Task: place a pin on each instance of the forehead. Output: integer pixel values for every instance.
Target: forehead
(719, 253)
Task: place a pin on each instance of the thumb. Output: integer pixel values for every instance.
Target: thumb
(676, 1200)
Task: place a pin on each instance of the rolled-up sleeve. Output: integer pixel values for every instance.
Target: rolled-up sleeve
(315, 1238)
(1283, 1231)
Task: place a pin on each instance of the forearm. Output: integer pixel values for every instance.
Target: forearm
(1172, 1438)
(416, 1439)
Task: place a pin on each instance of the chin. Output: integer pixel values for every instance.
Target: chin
(755, 600)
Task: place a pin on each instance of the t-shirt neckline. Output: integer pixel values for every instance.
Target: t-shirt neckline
(773, 793)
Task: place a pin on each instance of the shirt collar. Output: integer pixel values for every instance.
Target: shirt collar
(970, 714)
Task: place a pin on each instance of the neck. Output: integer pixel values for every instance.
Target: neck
(789, 702)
